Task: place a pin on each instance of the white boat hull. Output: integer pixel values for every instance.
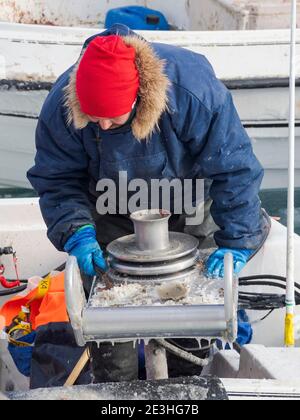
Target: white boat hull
(254, 65)
(17, 151)
(187, 15)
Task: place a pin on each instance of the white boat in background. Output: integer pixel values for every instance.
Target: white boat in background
(191, 15)
(254, 65)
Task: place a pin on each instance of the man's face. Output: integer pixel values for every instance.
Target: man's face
(110, 123)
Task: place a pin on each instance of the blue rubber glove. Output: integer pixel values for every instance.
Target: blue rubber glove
(215, 263)
(84, 246)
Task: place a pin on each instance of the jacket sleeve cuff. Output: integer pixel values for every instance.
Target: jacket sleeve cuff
(73, 229)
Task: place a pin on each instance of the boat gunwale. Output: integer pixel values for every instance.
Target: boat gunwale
(231, 84)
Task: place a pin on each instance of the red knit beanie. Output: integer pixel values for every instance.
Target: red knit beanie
(107, 80)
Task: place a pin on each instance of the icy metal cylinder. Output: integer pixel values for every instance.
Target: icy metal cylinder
(151, 229)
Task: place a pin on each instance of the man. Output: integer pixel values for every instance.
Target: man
(153, 111)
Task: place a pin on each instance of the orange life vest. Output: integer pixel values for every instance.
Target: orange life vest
(45, 304)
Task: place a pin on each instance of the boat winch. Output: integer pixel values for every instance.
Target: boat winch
(152, 253)
(154, 288)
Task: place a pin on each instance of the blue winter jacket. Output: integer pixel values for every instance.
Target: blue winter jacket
(200, 136)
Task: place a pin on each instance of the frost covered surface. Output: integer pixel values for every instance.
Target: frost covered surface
(194, 290)
(174, 391)
(192, 388)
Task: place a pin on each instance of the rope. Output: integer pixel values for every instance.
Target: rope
(183, 354)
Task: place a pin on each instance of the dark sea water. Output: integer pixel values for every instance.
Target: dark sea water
(274, 201)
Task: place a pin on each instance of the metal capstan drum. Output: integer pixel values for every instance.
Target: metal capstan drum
(152, 253)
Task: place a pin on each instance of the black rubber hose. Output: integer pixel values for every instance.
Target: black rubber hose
(267, 277)
(266, 283)
(8, 292)
(60, 268)
(262, 301)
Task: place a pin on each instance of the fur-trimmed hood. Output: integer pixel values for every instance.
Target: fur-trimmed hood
(152, 91)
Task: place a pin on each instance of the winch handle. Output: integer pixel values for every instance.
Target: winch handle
(102, 274)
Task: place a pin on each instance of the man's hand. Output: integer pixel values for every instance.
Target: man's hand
(84, 246)
(215, 263)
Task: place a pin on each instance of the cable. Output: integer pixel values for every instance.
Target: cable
(12, 291)
(267, 277)
(20, 289)
(261, 304)
(263, 318)
(264, 301)
(9, 284)
(183, 354)
(60, 268)
(190, 349)
(267, 283)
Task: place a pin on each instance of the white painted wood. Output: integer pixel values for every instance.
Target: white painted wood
(260, 362)
(187, 14)
(42, 53)
(17, 145)
(253, 105)
(22, 226)
(239, 14)
(264, 105)
(77, 35)
(255, 389)
(68, 12)
(271, 147)
(25, 103)
(36, 52)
